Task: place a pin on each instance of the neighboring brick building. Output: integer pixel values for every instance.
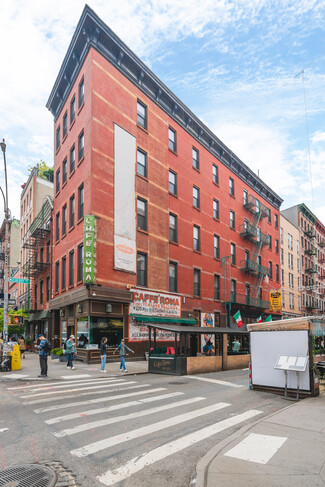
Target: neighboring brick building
(312, 243)
(14, 234)
(183, 227)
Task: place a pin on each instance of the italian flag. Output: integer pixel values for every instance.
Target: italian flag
(269, 318)
(259, 319)
(238, 319)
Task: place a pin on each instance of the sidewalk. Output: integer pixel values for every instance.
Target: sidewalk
(30, 369)
(286, 448)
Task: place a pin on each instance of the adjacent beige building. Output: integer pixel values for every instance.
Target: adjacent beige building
(290, 268)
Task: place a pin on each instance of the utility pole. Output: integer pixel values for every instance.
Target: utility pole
(6, 269)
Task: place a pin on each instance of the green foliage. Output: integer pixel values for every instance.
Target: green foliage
(57, 351)
(13, 330)
(44, 171)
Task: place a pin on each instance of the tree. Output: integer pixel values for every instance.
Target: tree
(12, 329)
(44, 171)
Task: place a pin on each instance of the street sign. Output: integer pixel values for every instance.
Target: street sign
(20, 281)
(11, 302)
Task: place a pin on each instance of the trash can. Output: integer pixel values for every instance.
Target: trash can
(15, 358)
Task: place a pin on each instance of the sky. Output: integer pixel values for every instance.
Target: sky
(252, 70)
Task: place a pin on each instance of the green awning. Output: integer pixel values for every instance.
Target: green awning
(39, 315)
(163, 319)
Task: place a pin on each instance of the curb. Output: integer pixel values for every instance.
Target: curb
(200, 474)
(48, 379)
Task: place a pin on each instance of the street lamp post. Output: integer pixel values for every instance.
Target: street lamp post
(6, 269)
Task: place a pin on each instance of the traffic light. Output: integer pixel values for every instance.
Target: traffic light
(18, 320)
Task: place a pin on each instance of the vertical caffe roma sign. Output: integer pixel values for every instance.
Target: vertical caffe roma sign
(89, 249)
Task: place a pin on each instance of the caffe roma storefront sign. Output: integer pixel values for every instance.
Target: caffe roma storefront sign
(149, 303)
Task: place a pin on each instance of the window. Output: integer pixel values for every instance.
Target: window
(141, 269)
(172, 182)
(65, 124)
(173, 277)
(57, 275)
(290, 261)
(298, 265)
(270, 242)
(141, 214)
(72, 158)
(72, 211)
(35, 295)
(141, 163)
(233, 253)
(57, 235)
(58, 137)
(64, 220)
(291, 301)
(232, 219)
(57, 181)
(289, 241)
(41, 291)
(216, 247)
(248, 293)
(41, 255)
(196, 238)
(216, 287)
(195, 158)
(245, 197)
(141, 114)
(290, 280)
(80, 201)
(276, 244)
(64, 273)
(233, 291)
(282, 277)
(270, 270)
(281, 257)
(197, 282)
(71, 268)
(276, 220)
(47, 289)
(298, 247)
(196, 197)
(48, 251)
(231, 187)
(269, 215)
(215, 174)
(277, 277)
(80, 261)
(81, 93)
(216, 209)
(72, 110)
(172, 227)
(81, 146)
(64, 171)
(172, 139)
(281, 235)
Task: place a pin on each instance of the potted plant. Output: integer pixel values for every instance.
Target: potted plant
(28, 343)
(56, 353)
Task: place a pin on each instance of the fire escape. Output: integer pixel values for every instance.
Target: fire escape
(35, 243)
(311, 271)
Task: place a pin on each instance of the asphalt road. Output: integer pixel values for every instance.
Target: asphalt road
(144, 430)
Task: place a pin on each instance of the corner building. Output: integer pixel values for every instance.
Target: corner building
(182, 226)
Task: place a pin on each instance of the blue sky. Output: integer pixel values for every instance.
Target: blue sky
(234, 63)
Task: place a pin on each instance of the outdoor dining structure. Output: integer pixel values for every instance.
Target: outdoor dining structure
(230, 349)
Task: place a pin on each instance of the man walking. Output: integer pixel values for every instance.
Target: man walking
(122, 349)
(43, 353)
(70, 351)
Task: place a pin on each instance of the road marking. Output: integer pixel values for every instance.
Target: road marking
(105, 422)
(257, 448)
(69, 396)
(104, 384)
(2, 430)
(77, 383)
(48, 385)
(15, 376)
(214, 381)
(91, 412)
(112, 477)
(80, 376)
(144, 431)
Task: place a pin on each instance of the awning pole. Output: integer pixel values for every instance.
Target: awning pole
(175, 344)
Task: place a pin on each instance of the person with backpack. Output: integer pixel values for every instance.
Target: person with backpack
(122, 348)
(70, 348)
(44, 351)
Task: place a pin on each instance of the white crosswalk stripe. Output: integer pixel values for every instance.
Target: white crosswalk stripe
(47, 385)
(104, 383)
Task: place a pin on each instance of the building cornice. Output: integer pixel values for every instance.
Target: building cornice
(307, 213)
(92, 32)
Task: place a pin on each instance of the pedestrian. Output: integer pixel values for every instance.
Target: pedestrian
(71, 351)
(236, 345)
(122, 350)
(44, 351)
(22, 346)
(103, 349)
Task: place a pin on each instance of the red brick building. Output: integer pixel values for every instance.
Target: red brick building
(181, 222)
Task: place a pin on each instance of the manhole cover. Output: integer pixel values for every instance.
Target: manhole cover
(176, 383)
(27, 476)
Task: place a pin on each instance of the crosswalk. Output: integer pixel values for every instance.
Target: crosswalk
(133, 421)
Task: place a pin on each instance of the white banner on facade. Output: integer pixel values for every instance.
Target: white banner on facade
(124, 200)
(139, 332)
(207, 320)
(155, 304)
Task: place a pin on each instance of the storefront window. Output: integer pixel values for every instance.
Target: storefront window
(83, 332)
(64, 331)
(106, 327)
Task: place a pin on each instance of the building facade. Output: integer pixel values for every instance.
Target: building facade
(290, 269)
(14, 253)
(149, 207)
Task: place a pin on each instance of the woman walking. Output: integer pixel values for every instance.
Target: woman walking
(122, 349)
(103, 348)
(70, 351)
(22, 346)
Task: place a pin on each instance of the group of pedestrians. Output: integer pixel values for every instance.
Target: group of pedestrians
(122, 349)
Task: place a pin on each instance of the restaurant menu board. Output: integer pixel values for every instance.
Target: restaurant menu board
(297, 363)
